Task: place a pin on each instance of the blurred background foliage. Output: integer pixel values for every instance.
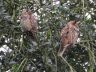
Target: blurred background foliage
(52, 16)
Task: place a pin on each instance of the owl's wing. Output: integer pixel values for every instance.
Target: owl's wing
(33, 23)
(64, 32)
(63, 39)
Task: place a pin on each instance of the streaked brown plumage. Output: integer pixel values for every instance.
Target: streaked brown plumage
(68, 36)
(28, 23)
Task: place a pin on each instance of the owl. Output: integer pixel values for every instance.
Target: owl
(68, 36)
(28, 23)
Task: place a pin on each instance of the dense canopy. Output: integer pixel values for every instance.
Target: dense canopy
(19, 54)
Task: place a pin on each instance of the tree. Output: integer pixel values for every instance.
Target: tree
(51, 17)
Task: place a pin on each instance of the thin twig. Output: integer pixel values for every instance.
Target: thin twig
(71, 68)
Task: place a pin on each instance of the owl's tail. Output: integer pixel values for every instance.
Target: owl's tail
(63, 49)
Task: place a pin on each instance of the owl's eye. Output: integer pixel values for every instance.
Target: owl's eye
(23, 17)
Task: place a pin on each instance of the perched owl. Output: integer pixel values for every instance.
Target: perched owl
(28, 23)
(68, 36)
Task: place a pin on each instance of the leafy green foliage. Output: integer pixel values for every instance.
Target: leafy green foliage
(42, 56)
